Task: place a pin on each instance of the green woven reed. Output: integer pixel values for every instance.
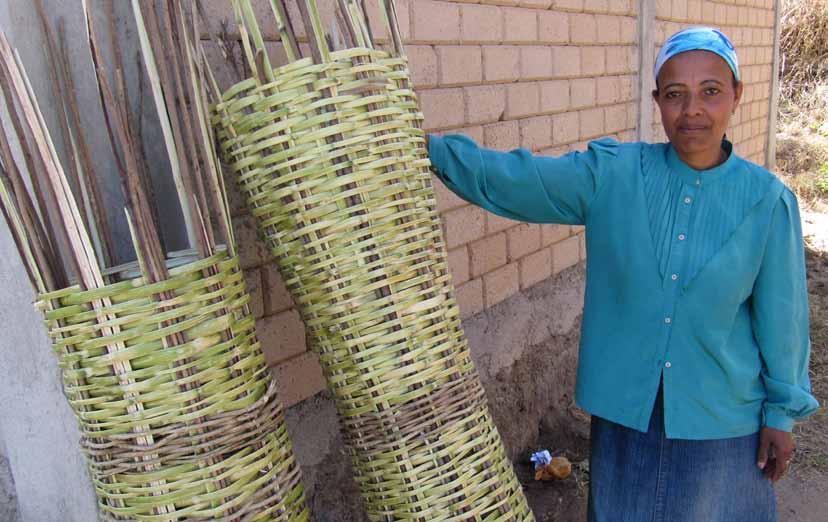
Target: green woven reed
(175, 431)
(332, 164)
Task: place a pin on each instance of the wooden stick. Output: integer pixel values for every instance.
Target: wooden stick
(45, 258)
(19, 234)
(286, 32)
(166, 131)
(87, 171)
(147, 241)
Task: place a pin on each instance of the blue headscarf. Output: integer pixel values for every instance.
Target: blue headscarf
(699, 39)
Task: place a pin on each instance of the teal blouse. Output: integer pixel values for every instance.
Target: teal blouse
(694, 278)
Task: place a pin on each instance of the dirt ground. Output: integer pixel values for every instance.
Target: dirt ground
(802, 495)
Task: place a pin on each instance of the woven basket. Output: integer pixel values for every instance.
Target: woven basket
(332, 164)
(175, 431)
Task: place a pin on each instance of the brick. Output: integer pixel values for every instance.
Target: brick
(500, 284)
(554, 152)
(565, 254)
(423, 65)
(435, 21)
(502, 136)
(282, 336)
(582, 250)
(535, 62)
(442, 108)
(495, 223)
(536, 132)
(536, 4)
(732, 15)
(298, 378)
(615, 118)
(487, 254)
(523, 239)
(592, 123)
(375, 20)
(565, 128)
(694, 11)
(619, 6)
(460, 64)
(463, 225)
(404, 18)
(596, 6)
(632, 59)
(475, 132)
(522, 99)
(629, 30)
(708, 12)
(583, 28)
(553, 27)
(609, 29)
(592, 61)
(552, 233)
(663, 8)
(501, 63)
(721, 14)
(470, 298)
(617, 60)
(519, 25)
(253, 285)
(252, 250)
(482, 23)
(458, 262)
(566, 61)
(608, 90)
(276, 296)
(583, 92)
(628, 87)
(446, 199)
(485, 103)
(569, 5)
(632, 115)
(554, 95)
(536, 267)
(679, 10)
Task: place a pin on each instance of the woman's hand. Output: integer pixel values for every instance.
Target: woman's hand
(775, 450)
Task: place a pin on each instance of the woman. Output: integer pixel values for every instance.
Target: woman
(694, 343)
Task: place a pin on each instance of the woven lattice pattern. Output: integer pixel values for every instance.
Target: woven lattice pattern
(331, 160)
(175, 402)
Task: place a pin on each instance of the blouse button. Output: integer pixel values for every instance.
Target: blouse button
(668, 320)
(688, 200)
(667, 364)
(674, 277)
(681, 237)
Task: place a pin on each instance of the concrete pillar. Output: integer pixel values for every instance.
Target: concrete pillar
(646, 62)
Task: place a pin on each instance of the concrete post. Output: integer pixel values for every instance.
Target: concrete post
(646, 62)
(770, 149)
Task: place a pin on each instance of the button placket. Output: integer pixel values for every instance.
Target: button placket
(675, 265)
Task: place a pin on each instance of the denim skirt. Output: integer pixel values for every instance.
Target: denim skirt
(646, 477)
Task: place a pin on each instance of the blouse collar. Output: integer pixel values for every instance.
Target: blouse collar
(698, 177)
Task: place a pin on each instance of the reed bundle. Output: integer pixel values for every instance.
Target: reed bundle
(159, 358)
(330, 156)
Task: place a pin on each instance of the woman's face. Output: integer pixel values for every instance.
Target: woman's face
(696, 97)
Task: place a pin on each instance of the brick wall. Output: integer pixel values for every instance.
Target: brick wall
(547, 75)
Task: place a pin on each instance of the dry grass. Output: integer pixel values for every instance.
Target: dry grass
(802, 161)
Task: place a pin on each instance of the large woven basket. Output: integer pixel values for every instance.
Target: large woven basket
(331, 161)
(175, 431)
